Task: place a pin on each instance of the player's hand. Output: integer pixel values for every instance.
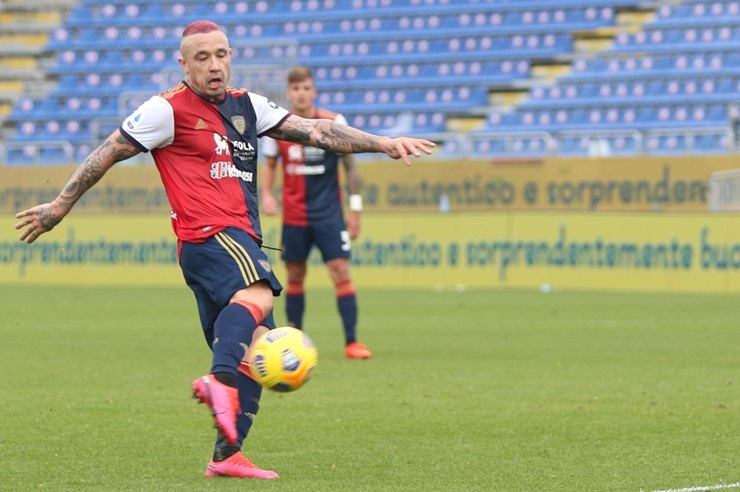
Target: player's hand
(269, 204)
(38, 220)
(353, 224)
(403, 147)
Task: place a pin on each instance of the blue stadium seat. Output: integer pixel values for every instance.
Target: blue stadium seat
(379, 61)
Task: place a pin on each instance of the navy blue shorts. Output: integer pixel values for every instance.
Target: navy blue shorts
(216, 269)
(331, 238)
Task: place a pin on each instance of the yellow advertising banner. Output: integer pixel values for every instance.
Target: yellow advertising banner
(612, 251)
(608, 184)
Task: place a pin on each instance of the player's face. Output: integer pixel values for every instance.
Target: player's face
(206, 61)
(302, 95)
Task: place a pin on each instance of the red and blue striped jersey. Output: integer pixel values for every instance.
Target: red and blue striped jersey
(311, 191)
(206, 154)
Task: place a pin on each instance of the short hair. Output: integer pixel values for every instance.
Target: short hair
(201, 26)
(299, 74)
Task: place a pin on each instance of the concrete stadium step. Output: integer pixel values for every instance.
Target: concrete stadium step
(29, 21)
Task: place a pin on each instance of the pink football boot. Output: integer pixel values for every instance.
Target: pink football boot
(223, 401)
(238, 466)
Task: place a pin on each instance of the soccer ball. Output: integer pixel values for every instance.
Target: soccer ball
(283, 359)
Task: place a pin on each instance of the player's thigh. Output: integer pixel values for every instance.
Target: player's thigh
(208, 311)
(227, 263)
(332, 239)
(296, 242)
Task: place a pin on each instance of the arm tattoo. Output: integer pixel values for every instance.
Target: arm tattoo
(356, 140)
(327, 135)
(294, 130)
(115, 148)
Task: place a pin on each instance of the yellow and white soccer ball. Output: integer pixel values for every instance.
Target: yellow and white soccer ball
(283, 359)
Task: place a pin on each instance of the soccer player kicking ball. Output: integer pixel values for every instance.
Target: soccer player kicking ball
(203, 137)
(312, 211)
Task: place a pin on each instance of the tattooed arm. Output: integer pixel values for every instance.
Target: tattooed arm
(42, 218)
(343, 139)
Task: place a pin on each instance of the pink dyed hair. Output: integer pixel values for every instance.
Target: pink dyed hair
(201, 26)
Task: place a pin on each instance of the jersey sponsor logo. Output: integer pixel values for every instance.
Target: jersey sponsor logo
(313, 154)
(200, 124)
(295, 152)
(302, 170)
(306, 154)
(223, 169)
(222, 144)
(243, 150)
(239, 123)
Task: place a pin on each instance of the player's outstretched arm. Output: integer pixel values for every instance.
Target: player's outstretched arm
(344, 139)
(42, 218)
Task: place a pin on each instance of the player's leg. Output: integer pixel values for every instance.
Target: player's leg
(297, 242)
(228, 460)
(295, 300)
(246, 285)
(237, 275)
(249, 390)
(333, 242)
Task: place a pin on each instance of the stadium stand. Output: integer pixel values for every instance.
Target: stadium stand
(492, 78)
(668, 88)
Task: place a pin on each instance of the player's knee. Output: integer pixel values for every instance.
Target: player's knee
(258, 295)
(296, 272)
(339, 270)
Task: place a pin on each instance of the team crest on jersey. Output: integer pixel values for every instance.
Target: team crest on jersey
(239, 123)
(265, 264)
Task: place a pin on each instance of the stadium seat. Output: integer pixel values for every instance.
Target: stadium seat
(379, 60)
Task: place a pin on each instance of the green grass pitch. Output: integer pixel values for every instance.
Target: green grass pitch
(481, 390)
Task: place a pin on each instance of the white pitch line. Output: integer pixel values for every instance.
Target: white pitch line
(702, 488)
